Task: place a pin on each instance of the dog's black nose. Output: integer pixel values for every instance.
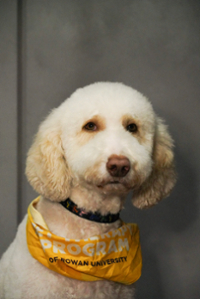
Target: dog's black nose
(118, 166)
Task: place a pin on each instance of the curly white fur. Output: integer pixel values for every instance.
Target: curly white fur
(68, 160)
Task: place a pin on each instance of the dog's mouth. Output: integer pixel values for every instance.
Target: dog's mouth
(110, 184)
(113, 183)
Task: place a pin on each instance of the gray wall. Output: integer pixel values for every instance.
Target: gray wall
(8, 122)
(153, 46)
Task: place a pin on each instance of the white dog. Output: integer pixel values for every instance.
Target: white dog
(102, 142)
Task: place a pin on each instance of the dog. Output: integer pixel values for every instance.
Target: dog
(97, 146)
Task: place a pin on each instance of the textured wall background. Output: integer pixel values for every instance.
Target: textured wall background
(151, 45)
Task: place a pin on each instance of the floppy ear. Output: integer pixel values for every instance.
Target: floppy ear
(46, 167)
(163, 176)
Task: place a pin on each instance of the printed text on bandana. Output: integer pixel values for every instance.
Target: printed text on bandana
(94, 246)
(87, 263)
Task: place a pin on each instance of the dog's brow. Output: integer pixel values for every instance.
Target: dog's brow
(98, 120)
(128, 119)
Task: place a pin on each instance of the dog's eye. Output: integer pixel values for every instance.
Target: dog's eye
(132, 128)
(90, 126)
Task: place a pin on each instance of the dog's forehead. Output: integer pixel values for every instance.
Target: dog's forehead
(109, 100)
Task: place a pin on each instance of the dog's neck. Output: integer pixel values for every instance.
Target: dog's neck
(65, 224)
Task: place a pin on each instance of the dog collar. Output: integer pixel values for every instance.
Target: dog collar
(96, 217)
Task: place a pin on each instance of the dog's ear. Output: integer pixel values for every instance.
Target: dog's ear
(163, 176)
(46, 167)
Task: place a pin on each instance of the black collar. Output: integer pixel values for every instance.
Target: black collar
(96, 217)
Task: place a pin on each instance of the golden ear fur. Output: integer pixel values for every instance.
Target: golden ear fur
(163, 175)
(46, 168)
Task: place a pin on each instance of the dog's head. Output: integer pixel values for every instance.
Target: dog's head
(107, 137)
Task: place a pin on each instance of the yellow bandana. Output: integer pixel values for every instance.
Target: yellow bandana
(114, 256)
